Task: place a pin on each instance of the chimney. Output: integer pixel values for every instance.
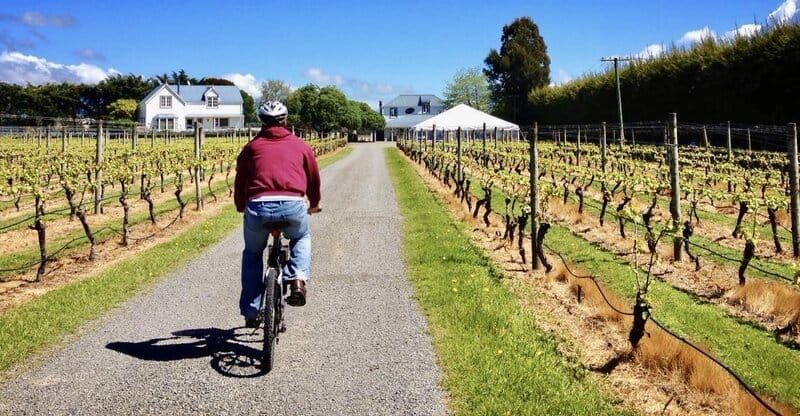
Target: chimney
(380, 107)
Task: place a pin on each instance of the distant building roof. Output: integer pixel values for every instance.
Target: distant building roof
(413, 100)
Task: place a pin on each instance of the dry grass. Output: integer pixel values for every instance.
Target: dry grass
(774, 300)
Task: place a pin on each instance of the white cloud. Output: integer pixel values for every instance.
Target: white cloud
(696, 36)
(356, 89)
(745, 31)
(18, 68)
(784, 13)
(651, 51)
(247, 82)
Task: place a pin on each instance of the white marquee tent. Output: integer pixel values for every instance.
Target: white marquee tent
(467, 118)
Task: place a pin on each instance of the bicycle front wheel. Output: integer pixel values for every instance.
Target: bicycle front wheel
(270, 329)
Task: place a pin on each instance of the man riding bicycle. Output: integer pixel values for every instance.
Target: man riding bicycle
(275, 172)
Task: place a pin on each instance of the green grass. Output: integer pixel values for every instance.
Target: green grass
(496, 360)
(45, 321)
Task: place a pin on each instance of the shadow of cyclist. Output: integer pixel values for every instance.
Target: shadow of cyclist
(230, 353)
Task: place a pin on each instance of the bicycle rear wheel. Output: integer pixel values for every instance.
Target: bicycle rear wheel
(270, 330)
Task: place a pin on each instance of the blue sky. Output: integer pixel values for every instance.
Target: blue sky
(371, 50)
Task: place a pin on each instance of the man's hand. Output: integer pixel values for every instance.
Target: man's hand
(314, 210)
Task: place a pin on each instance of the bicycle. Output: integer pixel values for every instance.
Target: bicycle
(273, 300)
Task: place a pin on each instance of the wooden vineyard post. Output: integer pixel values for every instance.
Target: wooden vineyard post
(458, 154)
(749, 143)
(198, 190)
(433, 142)
(674, 204)
(730, 150)
(578, 148)
(633, 138)
(64, 140)
(133, 136)
(534, 183)
(485, 160)
(794, 198)
(603, 148)
(705, 137)
(495, 137)
(98, 175)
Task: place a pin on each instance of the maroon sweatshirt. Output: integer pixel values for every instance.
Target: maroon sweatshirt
(276, 162)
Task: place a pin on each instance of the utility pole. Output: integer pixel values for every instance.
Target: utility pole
(616, 60)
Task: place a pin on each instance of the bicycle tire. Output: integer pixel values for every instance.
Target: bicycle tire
(269, 319)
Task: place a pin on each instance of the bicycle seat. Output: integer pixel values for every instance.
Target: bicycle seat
(276, 225)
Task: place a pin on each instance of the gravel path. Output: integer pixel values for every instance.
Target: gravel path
(359, 346)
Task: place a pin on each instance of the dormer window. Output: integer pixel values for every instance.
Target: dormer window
(392, 112)
(165, 101)
(212, 101)
(426, 107)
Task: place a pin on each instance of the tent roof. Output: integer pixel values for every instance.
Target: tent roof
(465, 117)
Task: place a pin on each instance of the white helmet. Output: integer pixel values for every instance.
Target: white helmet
(272, 111)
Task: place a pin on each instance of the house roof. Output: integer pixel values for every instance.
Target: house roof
(228, 94)
(465, 117)
(413, 100)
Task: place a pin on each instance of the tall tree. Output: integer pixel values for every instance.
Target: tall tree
(521, 66)
(351, 117)
(469, 86)
(370, 119)
(331, 109)
(248, 107)
(274, 90)
(302, 104)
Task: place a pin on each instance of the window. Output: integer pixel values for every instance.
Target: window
(426, 107)
(392, 111)
(216, 123)
(224, 122)
(212, 102)
(166, 124)
(165, 101)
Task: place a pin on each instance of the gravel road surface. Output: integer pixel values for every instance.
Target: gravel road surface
(359, 346)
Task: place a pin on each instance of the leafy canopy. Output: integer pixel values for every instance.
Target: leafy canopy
(469, 86)
(521, 66)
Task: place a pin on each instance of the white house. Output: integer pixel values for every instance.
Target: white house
(177, 107)
(407, 110)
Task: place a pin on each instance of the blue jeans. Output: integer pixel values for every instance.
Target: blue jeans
(256, 236)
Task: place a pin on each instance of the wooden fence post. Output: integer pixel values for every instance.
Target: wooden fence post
(730, 150)
(485, 160)
(98, 175)
(603, 149)
(198, 190)
(534, 184)
(458, 153)
(674, 204)
(794, 199)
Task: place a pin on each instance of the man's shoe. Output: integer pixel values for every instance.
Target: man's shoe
(252, 322)
(297, 293)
